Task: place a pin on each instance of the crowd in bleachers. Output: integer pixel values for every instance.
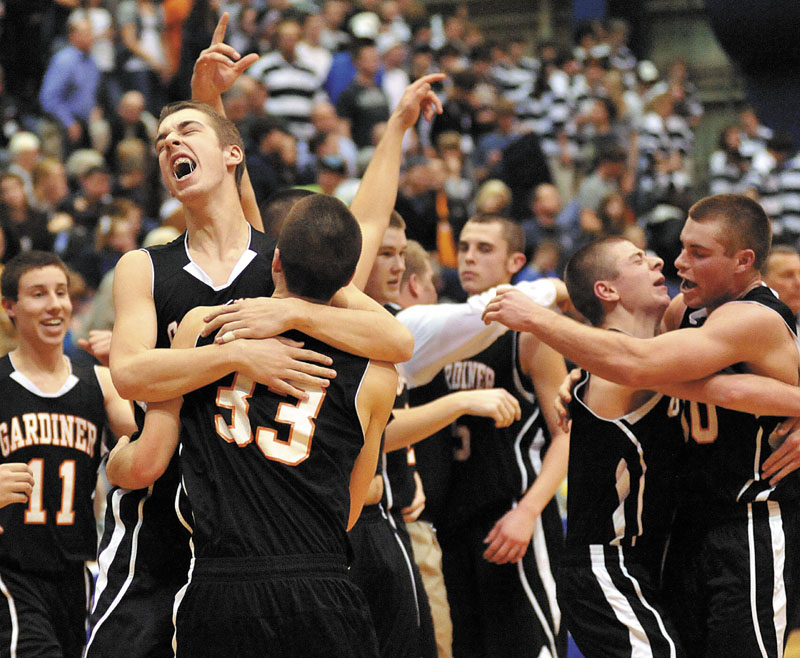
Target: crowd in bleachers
(571, 140)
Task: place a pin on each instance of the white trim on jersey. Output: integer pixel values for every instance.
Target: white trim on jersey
(778, 544)
(409, 564)
(622, 482)
(539, 547)
(778, 562)
(621, 607)
(179, 595)
(640, 451)
(69, 383)
(198, 273)
(518, 452)
(12, 613)
(106, 558)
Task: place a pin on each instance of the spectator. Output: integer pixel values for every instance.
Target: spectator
(547, 224)
(103, 35)
(142, 59)
(310, 48)
(25, 151)
(69, 88)
(363, 104)
(293, 85)
(272, 166)
(782, 274)
(727, 166)
(24, 226)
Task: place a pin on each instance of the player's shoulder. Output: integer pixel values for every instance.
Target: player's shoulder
(673, 316)
(380, 378)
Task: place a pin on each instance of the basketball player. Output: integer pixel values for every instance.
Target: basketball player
(731, 575)
(502, 595)
(143, 554)
(52, 421)
(268, 477)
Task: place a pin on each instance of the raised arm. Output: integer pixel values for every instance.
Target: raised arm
(375, 199)
(215, 71)
(374, 404)
(676, 356)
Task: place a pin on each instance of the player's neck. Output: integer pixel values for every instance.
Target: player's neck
(640, 325)
(45, 365)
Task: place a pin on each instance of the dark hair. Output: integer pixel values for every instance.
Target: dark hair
(745, 224)
(226, 130)
(25, 262)
(319, 244)
(277, 206)
(586, 267)
(512, 232)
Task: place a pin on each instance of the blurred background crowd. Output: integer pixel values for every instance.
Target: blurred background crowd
(574, 138)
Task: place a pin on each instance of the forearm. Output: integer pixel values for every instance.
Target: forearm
(162, 374)
(554, 470)
(445, 333)
(140, 463)
(753, 394)
(374, 334)
(376, 196)
(408, 426)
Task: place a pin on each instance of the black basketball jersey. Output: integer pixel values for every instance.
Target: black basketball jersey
(59, 436)
(494, 466)
(434, 455)
(161, 522)
(397, 468)
(622, 472)
(270, 475)
(727, 448)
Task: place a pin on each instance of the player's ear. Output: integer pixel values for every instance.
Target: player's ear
(234, 154)
(7, 304)
(745, 259)
(277, 266)
(605, 291)
(516, 262)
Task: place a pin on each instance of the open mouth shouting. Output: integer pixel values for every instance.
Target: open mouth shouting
(182, 167)
(687, 285)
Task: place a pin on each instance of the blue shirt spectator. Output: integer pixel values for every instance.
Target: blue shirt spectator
(69, 89)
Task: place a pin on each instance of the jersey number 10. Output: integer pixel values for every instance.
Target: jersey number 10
(300, 417)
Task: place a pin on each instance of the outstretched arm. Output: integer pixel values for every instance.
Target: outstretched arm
(375, 199)
(215, 71)
(646, 363)
(444, 333)
(416, 423)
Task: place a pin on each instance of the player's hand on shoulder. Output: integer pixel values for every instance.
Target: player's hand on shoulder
(16, 483)
(256, 317)
(564, 397)
(510, 537)
(495, 403)
(284, 366)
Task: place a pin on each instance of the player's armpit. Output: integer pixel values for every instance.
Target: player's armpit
(374, 405)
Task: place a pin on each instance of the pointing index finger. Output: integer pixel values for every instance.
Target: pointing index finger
(219, 31)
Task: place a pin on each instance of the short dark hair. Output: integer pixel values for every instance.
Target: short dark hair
(512, 232)
(586, 267)
(21, 264)
(277, 206)
(227, 132)
(319, 244)
(745, 224)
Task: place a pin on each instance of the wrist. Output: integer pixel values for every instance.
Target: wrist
(530, 508)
